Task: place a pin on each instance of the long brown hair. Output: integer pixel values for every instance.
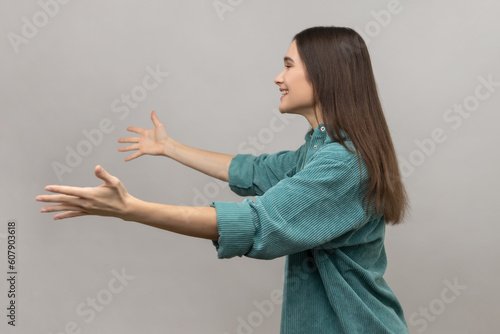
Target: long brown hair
(339, 68)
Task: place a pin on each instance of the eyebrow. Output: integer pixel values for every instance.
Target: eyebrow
(288, 58)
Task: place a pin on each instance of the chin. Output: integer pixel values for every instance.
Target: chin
(285, 110)
(288, 111)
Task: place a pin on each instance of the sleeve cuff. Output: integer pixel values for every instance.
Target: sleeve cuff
(240, 174)
(235, 227)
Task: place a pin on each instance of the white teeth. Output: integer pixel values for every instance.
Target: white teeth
(284, 92)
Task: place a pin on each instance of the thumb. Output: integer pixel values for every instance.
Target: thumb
(155, 119)
(103, 175)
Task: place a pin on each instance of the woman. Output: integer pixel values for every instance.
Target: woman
(323, 206)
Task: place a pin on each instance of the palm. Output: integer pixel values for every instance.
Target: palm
(152, 141)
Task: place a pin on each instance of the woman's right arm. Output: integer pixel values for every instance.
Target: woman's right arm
(156, 141)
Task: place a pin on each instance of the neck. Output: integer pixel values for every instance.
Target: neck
(314, 119)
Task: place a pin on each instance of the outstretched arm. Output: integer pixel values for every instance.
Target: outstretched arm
(156, 141)
(112, 199)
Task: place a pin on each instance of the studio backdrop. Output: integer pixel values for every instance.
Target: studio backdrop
(75, 74)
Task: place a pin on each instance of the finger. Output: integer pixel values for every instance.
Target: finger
(155, 119)
(69, 214)
(72, 191)
(133, 156)
(60, 199)
(135, 129)
(129, 140)
(60, 207)
(129, 148)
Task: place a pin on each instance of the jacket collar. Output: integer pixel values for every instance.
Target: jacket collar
(320, 132)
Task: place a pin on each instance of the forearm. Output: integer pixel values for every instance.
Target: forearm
(211, 163)
(200, 222)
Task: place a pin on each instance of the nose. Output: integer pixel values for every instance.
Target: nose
(279, 79)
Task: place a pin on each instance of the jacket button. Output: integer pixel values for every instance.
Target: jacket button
(315, 146)
(322, 128)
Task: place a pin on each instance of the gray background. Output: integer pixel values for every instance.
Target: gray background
(428, 56)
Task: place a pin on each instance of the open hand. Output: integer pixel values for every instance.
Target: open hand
(152, 141)
(108, 199)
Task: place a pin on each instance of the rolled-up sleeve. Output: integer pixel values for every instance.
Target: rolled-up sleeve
(251, 175)
(320, 203)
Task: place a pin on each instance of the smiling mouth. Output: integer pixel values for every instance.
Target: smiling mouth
(284, 92)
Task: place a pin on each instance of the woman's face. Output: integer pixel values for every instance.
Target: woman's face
(292, 81)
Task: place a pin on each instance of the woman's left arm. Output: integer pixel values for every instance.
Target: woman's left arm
(112, 199)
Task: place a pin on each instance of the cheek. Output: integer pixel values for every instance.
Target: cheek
(292, 79)
(298, 84)
(306, 91)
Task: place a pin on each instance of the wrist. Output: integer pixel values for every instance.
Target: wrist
(130, 208)
(169, 147)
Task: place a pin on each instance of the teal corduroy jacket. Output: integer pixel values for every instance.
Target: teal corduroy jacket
(308, 207)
